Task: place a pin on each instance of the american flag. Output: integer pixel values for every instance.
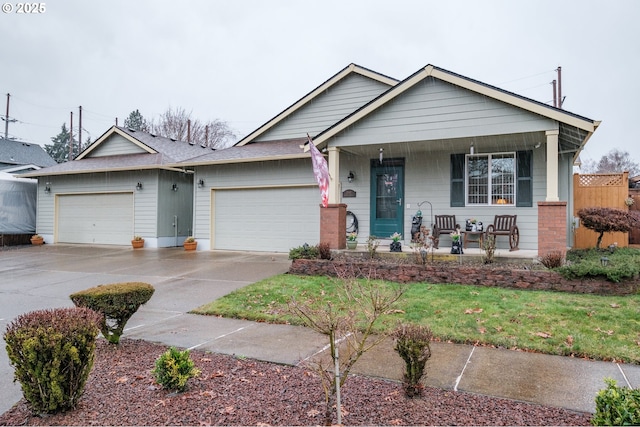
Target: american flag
(321, 171)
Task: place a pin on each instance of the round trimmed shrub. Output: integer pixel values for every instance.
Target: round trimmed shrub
(53, 353)
(116, 302)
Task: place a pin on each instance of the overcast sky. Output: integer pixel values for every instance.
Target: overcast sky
(245, 61)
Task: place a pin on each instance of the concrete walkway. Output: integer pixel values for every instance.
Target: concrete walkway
(34, 278)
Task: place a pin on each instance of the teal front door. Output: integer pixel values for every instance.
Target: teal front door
(387, 198)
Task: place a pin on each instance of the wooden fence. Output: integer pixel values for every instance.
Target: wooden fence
(599, 190)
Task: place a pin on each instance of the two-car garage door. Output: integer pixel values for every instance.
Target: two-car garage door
(95, 218)
(265, 219)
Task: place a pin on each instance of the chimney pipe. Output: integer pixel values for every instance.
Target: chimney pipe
(555, 94)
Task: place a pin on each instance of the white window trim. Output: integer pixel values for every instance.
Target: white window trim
(489, 198)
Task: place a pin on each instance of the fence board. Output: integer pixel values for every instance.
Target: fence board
(599, 190)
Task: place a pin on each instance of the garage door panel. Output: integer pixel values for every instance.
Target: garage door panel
(95, 218)
(275, 219)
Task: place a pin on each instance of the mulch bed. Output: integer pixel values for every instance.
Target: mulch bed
(234, 391)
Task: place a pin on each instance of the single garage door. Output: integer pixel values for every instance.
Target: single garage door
(105, 219)
(265, 219)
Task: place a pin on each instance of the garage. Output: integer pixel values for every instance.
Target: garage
(265, 219)
(105, 219)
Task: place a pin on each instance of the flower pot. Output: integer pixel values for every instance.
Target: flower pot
(352, 244)
(38, 241)
(396, 247)
(137, 244)
(190, 246)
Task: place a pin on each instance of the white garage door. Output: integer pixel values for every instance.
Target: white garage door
(274, 219)
(105, 219)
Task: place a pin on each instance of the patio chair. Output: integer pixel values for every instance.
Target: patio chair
(443, 224)
(505, 225)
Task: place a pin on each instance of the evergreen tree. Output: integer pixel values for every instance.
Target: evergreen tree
(59, 150)
(136, 121)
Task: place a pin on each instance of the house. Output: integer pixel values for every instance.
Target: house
(19, 157)
(436, 139)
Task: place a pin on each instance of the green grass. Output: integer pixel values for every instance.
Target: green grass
(598, 327)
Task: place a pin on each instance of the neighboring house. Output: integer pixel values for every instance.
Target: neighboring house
(467, 148)
(19, 157)
(122, 185)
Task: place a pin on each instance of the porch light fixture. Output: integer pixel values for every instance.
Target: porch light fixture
(471, 149)
(604, 261)
(381, 155)
(174, 187)
(47, 188)
(139, 186)
(351, 176)
(200, 183)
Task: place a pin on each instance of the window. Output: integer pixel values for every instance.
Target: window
(492, 179)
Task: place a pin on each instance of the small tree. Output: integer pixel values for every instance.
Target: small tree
(608, 220)
(136, 121)
(59, 149)
(348, 321)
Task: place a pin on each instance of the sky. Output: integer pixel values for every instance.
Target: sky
(244, 61)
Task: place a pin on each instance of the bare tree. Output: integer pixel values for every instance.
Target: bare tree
(348, 322)
(614, 161)
(178, 124)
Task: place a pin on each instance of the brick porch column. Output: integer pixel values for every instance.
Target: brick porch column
(333, 225)
(552, 227)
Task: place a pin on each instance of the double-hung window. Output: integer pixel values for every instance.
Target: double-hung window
(491, 179)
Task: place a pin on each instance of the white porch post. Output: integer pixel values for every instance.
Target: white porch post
(552, 165)
(334, 175)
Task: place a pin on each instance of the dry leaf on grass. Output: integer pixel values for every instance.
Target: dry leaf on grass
(614, 305)
(543, 334)
(473, 310)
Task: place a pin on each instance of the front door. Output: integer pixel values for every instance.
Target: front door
(387, 197)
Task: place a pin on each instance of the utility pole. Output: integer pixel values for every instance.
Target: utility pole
(7, 120)
(560, 99)
(71, 138)
(80, 128)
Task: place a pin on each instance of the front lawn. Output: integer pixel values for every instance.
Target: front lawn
(598, 327)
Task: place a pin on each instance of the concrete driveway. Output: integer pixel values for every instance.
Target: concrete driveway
(41, 277)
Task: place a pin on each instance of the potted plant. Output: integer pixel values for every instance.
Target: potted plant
(137, 242)
(456, 244)
(37, 239)
(352, 243)
(190, 243)
(396, 245)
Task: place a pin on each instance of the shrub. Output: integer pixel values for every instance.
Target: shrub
(372, 246)
(413, 345)
(174, 368)
(608, 220)
(304, 252)
(53, 352)
(116, 302)
(553, 259)
(324, 250)
(623, 264)
(617, 406)
(488, 248)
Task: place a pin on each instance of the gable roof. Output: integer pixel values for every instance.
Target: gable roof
(575, 130)
(332, 81)
(160, 153)
(23, 153)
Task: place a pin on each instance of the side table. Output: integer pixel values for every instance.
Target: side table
(473, 237)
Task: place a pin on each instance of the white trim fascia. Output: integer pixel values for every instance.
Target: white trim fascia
(110, 132)
(43, 172)
(351, 68)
